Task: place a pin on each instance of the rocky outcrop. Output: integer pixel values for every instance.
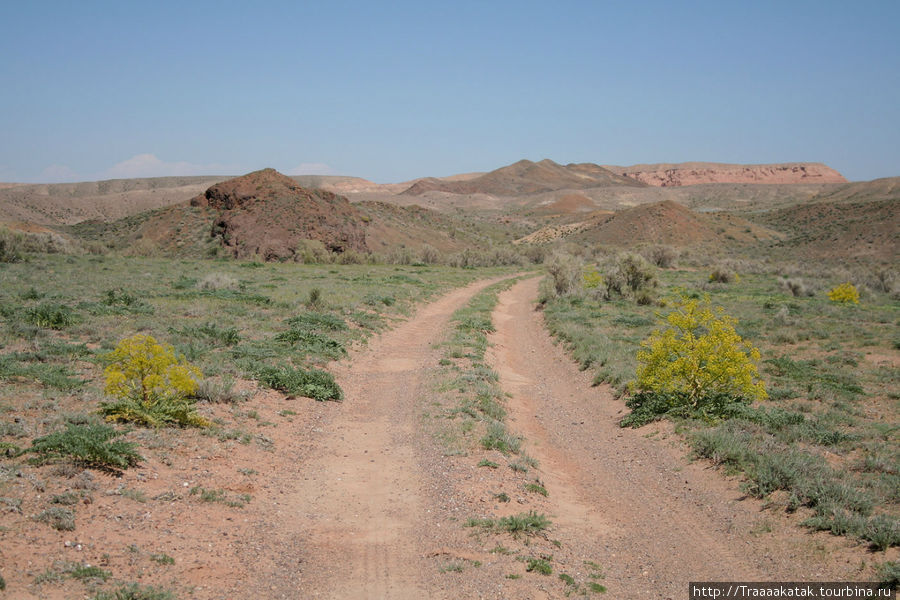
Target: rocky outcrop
(269, 215)
(680, 174)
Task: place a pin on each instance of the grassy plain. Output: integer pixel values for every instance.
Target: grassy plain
(825, 443)
(247, 326)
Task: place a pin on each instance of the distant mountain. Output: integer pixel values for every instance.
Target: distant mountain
(526, 177)
(693, 173)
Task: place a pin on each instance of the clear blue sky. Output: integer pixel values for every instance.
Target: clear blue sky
(390, 91)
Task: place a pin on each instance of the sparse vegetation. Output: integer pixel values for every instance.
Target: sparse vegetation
(825, 438)
(817, 381)
(218, 281)
(536, 487)
(134, 591)
(162, 559)
(220, 496)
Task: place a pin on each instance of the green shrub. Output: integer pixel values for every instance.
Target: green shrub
(12, 246)
(498, 438)
(225, 336)
(125, 301)
(312, 342)
(318, 320)
(312, 383)
(889, 574)
(538, 565)
(88, 572)
(57, 517)
(565, 273)
(649, 406)
(528, 523)
(315, 301)
(88, 445)
(537, 487)
(882, 532)
(376, 299)
(50, 316)
(630, 275)
(51, 375)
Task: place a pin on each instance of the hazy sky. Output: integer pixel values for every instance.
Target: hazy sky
(390, 91)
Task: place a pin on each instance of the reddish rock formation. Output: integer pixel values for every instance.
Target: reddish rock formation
(693, 173)
(268, 214)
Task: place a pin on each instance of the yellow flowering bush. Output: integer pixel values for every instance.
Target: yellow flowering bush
(697, 356)
(591, 278)
(152, 385)
(846, 293)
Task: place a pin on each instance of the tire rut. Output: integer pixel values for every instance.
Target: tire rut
(657, 520)
(359, 500)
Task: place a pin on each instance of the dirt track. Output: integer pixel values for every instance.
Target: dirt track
(663, 521)
(367, 506)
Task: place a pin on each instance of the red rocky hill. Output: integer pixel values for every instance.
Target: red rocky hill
(267, 214)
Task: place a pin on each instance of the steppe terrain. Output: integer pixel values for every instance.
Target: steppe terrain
(470, 342)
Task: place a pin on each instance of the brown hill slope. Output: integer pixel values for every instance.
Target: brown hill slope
(887, 188)
(567, 204)
(525, 177)
(69, 203)
(693, 173)
(266, 214)
(858, 221)
(663, 222)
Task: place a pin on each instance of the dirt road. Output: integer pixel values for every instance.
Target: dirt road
(660, 520)
(375, 510)
(358, 502)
